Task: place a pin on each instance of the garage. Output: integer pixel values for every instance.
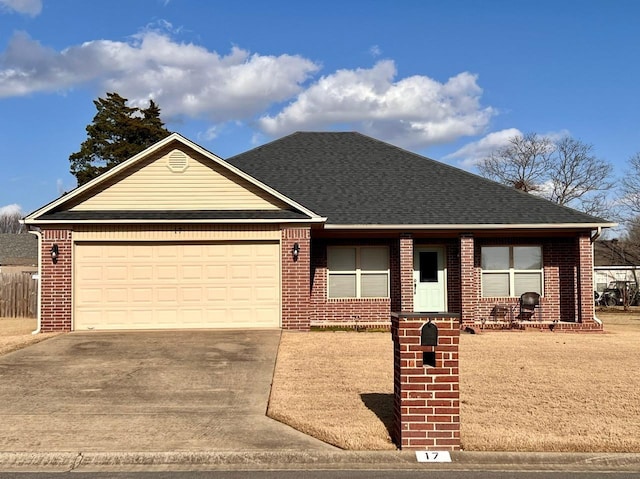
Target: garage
(168, 285)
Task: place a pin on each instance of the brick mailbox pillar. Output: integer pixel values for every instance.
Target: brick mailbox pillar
(426, 381)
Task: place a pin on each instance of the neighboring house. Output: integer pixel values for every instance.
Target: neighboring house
(18, 253)
(310, 228)
(613, 261)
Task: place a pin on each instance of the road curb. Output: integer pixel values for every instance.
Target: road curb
(292, 460)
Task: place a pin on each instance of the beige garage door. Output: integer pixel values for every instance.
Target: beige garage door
(176, 285)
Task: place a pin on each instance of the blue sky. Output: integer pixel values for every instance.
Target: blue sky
(448, 79)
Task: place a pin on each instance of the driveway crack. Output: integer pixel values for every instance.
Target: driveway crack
(76, 462)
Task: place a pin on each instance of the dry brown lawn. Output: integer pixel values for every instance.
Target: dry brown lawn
(534, 391)
(15, 333)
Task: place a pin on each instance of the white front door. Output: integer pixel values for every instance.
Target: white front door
(429, 279)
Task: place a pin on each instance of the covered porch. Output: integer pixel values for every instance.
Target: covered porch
(357, 279)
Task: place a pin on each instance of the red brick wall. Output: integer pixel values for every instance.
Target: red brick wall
(406, 273)
(55, 280)
(350, 309)
(296, 280)
(562, 268)
(585, 279)
(469, 285)
(426, 397)
(454, 291)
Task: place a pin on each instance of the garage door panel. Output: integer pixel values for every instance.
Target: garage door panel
(240, 272)
(192, 295)
(267, 293)
(240, 293)
(192, 272)
(167, 294)
(90, 295)
(217, 294)
(263, 315)
(141, 251)
(167, 272)
(115, 252)
(141, 272)
(176, 285)
(216, 272)
(141, 295)
(266, 272)
(116, 295)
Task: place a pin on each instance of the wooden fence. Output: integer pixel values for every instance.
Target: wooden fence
(18, 295)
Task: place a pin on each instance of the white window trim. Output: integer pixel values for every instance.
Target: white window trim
(512, 271)
(359, 273)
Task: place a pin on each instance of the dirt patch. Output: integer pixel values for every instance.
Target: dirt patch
(519, 391)
(15, 333)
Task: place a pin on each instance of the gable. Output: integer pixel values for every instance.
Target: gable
(175, 178)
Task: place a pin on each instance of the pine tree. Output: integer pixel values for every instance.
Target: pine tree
(117, 133)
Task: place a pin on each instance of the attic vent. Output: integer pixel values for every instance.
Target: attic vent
(177, 161)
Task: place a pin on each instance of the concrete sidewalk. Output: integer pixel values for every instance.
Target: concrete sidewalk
(305, 460)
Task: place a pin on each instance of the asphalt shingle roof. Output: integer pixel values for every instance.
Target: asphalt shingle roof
(18, 249)
(353, 179)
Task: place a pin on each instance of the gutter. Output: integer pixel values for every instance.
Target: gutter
(481, 226)
(38, 233)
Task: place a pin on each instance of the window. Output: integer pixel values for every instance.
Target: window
(358, 271)
(511, 270)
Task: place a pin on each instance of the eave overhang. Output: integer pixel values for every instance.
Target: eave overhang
(409, 227)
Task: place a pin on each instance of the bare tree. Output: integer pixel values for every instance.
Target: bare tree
(566, 172)
(579, 178)
(630, 191)
(629, 203)
(523, 163)
(10, 216)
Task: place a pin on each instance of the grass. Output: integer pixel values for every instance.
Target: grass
(15, 333)
(519, 391)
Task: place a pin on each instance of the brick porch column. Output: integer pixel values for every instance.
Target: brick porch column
(56, 286)
(296, 279)
(426, 398)
(406, 272)
(586, 307)
(468, 289)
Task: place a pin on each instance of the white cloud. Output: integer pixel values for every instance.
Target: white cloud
(184, 79)
(414, 112)
(211, 133)
(470, 154)
(11, 210)
(375, 51)
(27, 7)
(188, 80)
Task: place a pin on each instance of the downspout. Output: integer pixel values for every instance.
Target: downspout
(595, 236)
(38, 233)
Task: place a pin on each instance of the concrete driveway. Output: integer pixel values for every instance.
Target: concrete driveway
(144, 391)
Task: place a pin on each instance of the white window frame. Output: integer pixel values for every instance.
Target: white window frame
(512, 271)
(359, 273)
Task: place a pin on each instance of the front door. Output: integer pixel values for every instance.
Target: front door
(429, 279)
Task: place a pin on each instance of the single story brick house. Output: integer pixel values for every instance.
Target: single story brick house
(309, 229)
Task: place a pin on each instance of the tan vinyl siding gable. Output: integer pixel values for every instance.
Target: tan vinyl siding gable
(163, 182)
